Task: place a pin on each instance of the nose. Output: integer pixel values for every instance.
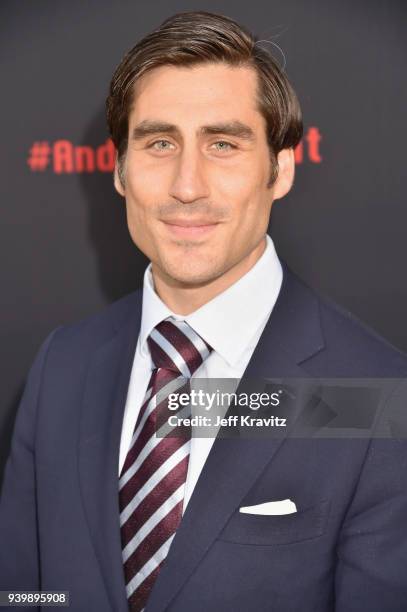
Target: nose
(189, 182)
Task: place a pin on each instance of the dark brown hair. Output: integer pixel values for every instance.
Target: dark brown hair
(196, 37)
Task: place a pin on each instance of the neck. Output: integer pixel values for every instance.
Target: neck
(183, 299)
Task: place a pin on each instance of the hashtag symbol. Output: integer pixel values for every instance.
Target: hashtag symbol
(38, 158)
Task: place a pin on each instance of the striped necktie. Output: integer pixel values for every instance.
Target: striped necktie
(152, 480)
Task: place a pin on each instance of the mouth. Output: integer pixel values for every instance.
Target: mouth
(190, 228)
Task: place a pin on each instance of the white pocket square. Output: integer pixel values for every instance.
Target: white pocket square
(284, 506)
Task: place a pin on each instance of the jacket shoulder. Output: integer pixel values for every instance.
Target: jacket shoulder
(346, 347)
(95, 329)
(352, 340)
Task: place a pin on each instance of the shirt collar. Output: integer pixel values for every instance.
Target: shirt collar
(230, 320)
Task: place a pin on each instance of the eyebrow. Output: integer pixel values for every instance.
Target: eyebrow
(235, 128)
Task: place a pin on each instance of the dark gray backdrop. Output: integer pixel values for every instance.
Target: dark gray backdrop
(66, 252)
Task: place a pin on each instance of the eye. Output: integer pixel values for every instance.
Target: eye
(226, 146)
(161, 141)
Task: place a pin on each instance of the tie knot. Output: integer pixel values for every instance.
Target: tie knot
(174, 345)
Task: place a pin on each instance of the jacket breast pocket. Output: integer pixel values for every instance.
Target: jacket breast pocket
(266, 530)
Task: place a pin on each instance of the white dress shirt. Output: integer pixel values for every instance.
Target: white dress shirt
(231, 323)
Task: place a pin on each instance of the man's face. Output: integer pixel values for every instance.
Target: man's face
(196, 171)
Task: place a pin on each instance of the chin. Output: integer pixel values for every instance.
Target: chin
(192, 273)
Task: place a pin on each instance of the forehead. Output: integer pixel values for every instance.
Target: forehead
(205, 92)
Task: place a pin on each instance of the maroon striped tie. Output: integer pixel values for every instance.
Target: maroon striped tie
(152, 480)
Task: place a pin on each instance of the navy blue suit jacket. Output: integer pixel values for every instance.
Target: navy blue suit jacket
(344, 550)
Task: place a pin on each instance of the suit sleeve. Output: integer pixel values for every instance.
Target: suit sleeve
(19, 547)
(372, 551)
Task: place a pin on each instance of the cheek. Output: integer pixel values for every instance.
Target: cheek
(243, 190)
(139, 220)
(142, 183)
(139, 199)
(250, 207)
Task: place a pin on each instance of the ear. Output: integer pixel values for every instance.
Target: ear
(117, 182)
(286, 172)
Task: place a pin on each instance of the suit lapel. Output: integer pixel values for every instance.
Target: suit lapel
(99, 444)
(292, 335)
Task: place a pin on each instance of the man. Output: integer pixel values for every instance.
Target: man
(205, 125)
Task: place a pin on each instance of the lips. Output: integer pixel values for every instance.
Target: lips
(190, 228)
(190, 222)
